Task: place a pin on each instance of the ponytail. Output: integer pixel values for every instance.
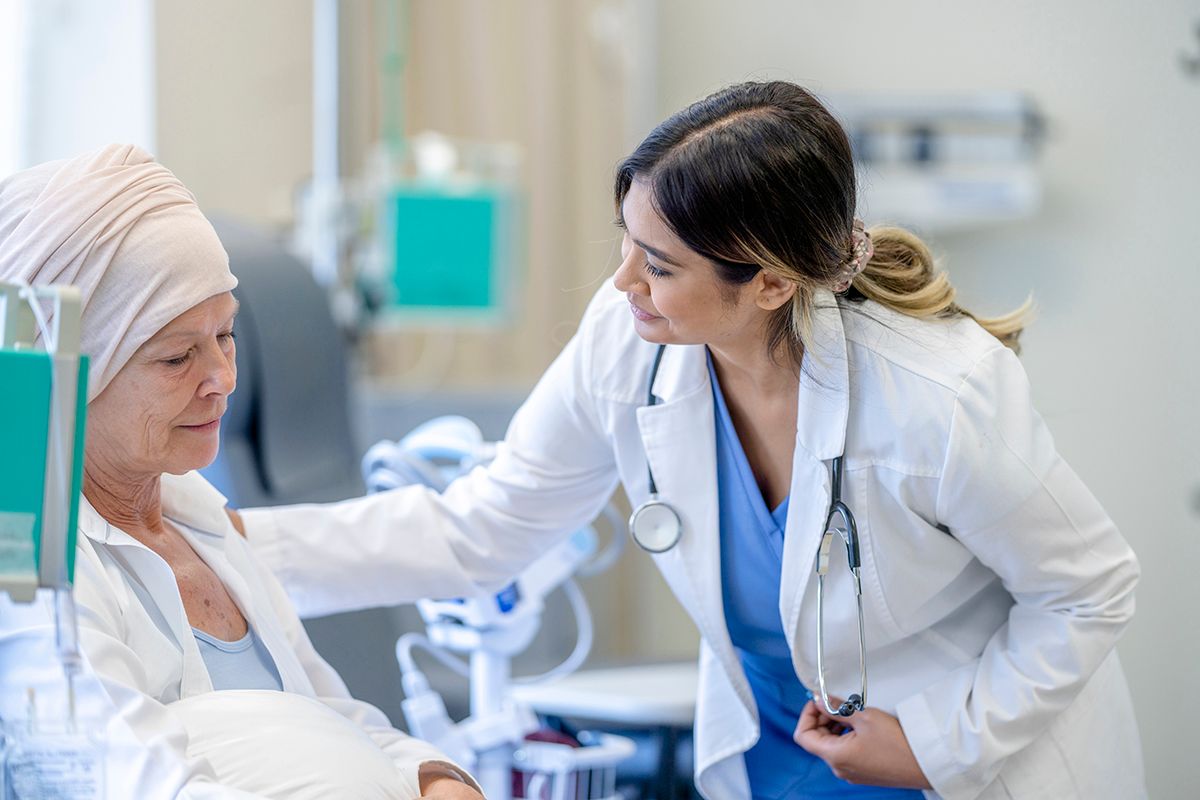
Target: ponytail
(902, 276)
(760, 176)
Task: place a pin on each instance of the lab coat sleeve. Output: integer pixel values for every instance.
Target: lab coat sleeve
(145, 745)
(1008, 496)
(408, 754)
(552, 474)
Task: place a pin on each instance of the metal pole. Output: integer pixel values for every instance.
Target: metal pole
(326, 177)
(490, 673)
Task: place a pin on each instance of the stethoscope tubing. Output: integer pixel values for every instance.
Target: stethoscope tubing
(643, 529)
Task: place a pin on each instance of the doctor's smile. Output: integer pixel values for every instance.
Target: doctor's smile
(640, 315)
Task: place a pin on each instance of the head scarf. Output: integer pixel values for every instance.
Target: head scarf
(123, 230)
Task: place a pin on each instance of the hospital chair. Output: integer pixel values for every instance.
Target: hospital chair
(287, 436)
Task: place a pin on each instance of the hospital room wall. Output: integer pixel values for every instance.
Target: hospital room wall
(1110, 259)
(524, 71)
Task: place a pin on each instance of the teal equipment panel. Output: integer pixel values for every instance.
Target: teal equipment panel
(454, 251)
(24, 436)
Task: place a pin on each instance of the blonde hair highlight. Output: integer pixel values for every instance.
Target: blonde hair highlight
(903, 275)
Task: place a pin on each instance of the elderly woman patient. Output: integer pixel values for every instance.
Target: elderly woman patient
(195, 648)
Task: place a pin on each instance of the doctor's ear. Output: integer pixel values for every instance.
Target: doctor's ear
(773, 290)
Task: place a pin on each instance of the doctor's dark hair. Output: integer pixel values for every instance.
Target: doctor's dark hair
(760, 176)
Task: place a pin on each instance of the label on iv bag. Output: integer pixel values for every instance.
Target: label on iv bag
(18, 559)
(16, 542)
(62, 766)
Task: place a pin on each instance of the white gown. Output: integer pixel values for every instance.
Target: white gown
(142, 660)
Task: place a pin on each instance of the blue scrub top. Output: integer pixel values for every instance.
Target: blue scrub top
(244, 664)
(751, 560)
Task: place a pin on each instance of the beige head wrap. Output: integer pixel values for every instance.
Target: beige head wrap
(122, 229)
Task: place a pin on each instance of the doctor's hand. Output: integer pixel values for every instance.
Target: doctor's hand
(867, 748)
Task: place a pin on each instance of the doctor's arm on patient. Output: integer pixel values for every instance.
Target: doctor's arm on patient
(552, 474)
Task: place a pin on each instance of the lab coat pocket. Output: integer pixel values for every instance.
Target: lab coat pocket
(909, 562)
(1094, 730)
(1061, 764)
(1038, 772)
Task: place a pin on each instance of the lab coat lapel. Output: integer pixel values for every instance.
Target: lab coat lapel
(679, 438)
(199, 510)
(156, 577)
(211, 546)
(822, 411)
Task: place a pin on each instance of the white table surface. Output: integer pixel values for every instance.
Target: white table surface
(648, 694)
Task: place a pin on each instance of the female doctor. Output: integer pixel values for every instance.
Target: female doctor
(825, 453)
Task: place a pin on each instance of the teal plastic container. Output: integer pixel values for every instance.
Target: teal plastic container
(454, 252)
(24, 433)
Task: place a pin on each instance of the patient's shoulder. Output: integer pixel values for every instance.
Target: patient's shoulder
(193, 501)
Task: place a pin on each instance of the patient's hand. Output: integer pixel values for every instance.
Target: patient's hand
(448, 788)
(439, 781)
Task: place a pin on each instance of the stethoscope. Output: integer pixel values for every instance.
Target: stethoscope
(656, 527)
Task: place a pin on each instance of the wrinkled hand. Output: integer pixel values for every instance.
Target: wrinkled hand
(440, 781)
(867, 748)
(448, 789)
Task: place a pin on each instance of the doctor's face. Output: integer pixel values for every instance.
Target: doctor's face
(162, 412)
(674, 293)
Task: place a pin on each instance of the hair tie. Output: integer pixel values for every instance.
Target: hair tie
(861, 250)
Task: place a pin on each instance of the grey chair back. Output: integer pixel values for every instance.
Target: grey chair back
(286, 437)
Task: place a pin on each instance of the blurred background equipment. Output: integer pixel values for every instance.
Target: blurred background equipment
(489, 629)
(432, 229)
(940, 163)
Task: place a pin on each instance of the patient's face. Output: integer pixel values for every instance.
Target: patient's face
(162, 411)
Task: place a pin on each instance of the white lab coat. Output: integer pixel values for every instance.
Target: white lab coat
(995, 586)
(136, 669)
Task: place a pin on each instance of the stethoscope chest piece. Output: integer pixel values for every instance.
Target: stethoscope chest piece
(654, 526)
